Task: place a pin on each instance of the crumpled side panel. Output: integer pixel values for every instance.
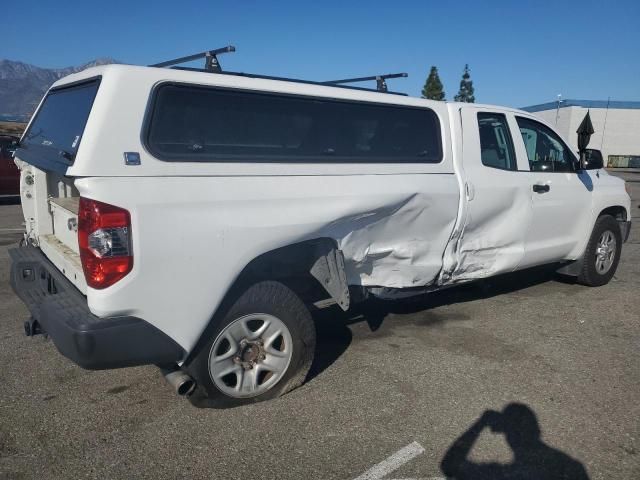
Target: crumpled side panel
(193, 236)
(492, 238)
(399, 244)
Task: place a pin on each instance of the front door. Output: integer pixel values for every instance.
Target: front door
(560, 196)
(497, 211)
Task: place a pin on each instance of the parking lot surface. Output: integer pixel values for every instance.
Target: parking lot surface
(393, 387)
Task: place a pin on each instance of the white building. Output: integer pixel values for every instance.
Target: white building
(616, 125)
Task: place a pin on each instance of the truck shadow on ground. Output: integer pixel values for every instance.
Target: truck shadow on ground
(532, 457)
(332, 324)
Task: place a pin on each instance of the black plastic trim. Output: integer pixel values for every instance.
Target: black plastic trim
(625, 230)
(93, 343)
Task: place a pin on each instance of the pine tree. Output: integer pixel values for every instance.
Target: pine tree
(465, 94)
(433, 86)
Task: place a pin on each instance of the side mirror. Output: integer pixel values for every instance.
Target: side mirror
(593, 159)
(585, 130)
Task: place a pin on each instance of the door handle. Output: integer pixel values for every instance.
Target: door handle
(469, 190)
(541, 188)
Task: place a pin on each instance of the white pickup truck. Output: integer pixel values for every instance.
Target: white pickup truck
(189, 219)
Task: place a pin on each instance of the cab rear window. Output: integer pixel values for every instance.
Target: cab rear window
(191, 123)
(54, 136)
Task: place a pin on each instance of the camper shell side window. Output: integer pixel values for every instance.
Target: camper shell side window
(211, 124)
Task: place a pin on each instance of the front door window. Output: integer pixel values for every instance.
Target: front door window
(545, 150)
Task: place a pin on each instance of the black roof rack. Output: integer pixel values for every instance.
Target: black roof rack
(212, 65)
(381, 84)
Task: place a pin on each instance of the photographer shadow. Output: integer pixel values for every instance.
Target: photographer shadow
(533, 459)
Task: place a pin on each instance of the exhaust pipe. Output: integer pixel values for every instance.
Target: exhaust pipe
(182, 383)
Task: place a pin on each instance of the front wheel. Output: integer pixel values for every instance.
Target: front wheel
(261, 348)
(602, 255)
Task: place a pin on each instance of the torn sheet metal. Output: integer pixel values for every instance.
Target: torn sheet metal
(492, 237)
(328, 269)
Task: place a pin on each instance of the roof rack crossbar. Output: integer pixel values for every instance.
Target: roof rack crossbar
(381, 84)
(211, 63)
(286, 79)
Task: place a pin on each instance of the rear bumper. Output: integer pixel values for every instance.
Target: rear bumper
(91, 342)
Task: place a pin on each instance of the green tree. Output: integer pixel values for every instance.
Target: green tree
(433, 86)
(465, 94)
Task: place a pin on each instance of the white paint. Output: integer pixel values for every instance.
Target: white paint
(502, 225)
(122, 101)
(192, 236)
(495, 216)
(621, 134)
(195, 226)
(393, 462)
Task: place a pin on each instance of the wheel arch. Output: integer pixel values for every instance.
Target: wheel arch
(616, 211)
(313, 269)
(317, 264)
(623, 217)
(619, 213)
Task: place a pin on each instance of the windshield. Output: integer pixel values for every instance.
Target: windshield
(54, 135)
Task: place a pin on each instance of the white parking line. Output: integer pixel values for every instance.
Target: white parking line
(394, 462)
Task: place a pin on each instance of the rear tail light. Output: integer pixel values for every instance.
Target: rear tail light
(104, 237)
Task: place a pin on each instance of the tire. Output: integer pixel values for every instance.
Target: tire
(261, 366)
(595, 271)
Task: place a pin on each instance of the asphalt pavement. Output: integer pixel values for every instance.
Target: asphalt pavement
(525, 372)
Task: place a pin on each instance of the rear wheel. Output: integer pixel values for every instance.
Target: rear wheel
(260, 349)
(602, 254)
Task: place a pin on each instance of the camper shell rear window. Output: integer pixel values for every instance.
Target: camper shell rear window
(209, 124)
(54, 136)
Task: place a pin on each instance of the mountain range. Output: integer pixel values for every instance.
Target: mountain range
(22, 86)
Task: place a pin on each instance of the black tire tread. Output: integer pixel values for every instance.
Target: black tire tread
(274, 297)
(589, 276)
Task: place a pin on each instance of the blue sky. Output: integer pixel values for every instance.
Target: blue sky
(520, 53)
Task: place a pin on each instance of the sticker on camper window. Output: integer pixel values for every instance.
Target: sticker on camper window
(75, 141)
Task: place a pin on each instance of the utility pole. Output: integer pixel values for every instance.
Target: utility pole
(604, 128)
(558, 108)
